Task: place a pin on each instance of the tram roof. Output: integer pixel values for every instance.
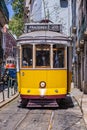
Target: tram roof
(44, 37)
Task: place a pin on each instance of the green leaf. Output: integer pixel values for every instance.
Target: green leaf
(16, 23)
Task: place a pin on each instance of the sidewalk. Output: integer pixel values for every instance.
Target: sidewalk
(81, 98)
(7, 95)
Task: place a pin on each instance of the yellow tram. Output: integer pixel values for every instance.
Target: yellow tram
(43, 63)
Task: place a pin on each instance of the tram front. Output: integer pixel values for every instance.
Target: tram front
(44, 65)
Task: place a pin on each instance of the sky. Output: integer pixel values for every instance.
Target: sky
(10, 11)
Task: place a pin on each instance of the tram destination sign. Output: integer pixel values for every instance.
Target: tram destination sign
(43, 27)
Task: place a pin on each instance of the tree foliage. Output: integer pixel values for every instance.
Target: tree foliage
(16, 25)
(18, 7)
(17, 22)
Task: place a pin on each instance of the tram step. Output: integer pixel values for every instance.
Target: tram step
(42, 103)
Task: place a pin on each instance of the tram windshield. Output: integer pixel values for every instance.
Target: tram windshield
(43, 56)
(58, 57)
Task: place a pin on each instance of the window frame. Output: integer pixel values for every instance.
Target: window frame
(43, 66)
(50, 60)
(29, 66)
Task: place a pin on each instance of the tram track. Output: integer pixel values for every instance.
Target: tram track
(27, 114)
(51, 121)
(41, 118)
(21, 121)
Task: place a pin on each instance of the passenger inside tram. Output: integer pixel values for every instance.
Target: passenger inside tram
(42, 58)
(58, 61)
(25, 63)
(27, 56)
(43, 55)
(58, 56)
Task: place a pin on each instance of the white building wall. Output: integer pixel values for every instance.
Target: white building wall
(51, 9)
(78, 17)
(36, 12)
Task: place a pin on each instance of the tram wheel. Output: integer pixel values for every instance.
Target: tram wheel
(24, 102)
(61, 103)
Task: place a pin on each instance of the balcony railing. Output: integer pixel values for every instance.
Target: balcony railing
(4, 8)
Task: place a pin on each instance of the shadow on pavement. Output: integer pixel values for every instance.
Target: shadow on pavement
(60, 104)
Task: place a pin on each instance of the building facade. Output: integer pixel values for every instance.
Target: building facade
(4, 19)
(57, 11)
(79, 34)
(9, 45)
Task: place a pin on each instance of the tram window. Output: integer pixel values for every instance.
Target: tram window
(27, 55)
(42, 55)
(58, 57)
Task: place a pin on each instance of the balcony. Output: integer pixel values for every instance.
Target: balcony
(4, 15)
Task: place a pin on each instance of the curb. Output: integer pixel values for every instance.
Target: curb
(82, 111)
(3, 103)
(79, 99)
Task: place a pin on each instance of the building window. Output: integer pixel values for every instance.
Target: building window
(64, 3)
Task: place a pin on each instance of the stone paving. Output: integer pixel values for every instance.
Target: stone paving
(81, 98)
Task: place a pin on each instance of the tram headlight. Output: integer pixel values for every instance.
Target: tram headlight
(42, 84)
